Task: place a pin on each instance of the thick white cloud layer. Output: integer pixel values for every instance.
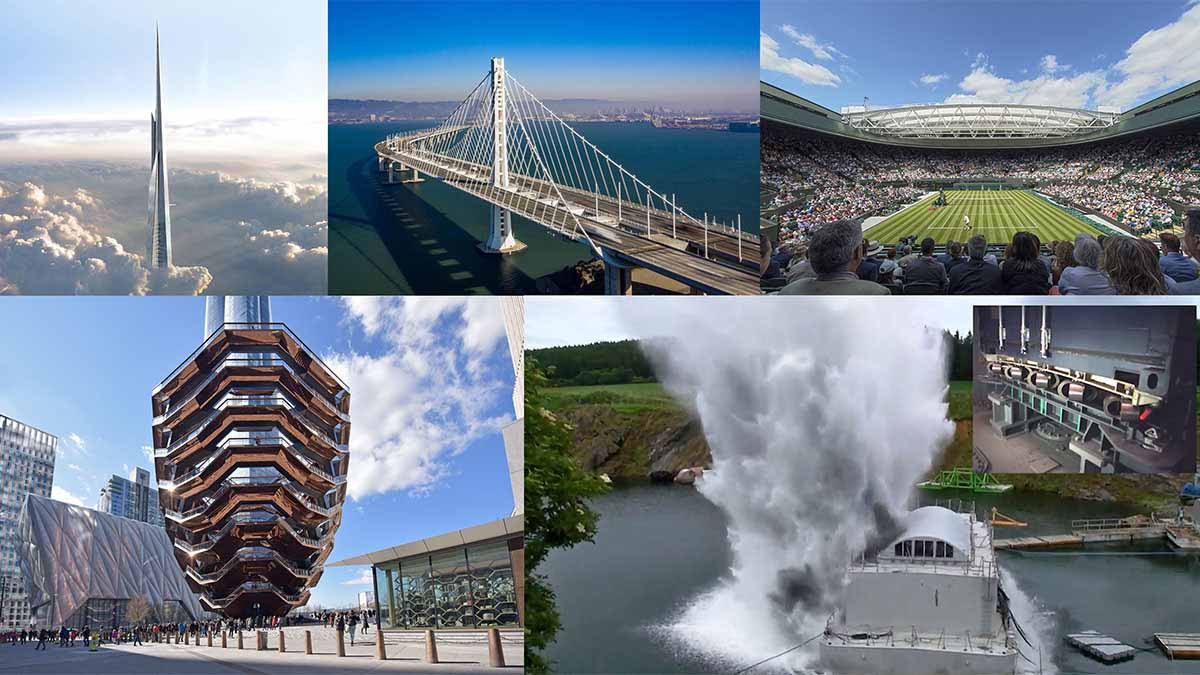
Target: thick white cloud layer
(81, 228)
(428, 395)
(48, 246)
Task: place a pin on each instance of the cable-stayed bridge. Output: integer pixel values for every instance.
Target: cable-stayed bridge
(503, 145)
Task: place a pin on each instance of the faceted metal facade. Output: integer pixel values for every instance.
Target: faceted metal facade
(250, 438)
(71, 555)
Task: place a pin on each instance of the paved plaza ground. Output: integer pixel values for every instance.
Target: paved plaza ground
(459, 652)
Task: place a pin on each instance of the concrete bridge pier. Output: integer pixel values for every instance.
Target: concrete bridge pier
(500, 236)
(415, 178)
(618, 277)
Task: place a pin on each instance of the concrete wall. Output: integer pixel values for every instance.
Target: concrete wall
(901, 661)
(931, 602)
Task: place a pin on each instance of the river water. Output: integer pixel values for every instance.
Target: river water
(659, 547)
(423, 240)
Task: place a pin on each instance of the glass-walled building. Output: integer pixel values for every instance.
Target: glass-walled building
(26, 467)
(472, 578)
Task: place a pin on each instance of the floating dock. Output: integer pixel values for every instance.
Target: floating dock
(964, 478)
(1047, 541)
(1179, 645)
(1101, 647)
(1112, 530)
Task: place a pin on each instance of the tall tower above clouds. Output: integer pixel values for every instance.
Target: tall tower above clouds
(158, 245)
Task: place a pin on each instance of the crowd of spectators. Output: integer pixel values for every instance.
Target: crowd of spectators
(837, 260)
(817, 179)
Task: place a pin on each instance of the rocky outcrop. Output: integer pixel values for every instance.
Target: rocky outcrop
(651, 444)
(584, 277)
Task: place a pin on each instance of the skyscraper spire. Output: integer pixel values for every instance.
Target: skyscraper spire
(158, 244)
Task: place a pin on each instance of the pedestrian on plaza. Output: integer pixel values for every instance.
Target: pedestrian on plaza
(353, 627)
(41, 640)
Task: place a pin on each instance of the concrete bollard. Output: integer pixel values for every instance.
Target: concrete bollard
(495, 650)
(380, 649)
(341, 643)
(239, 639)
(282, 643)
(308, 642)
(430, 647)
(224, 640)
(210, 639)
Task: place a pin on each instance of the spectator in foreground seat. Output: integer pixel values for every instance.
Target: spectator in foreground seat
(834, 251)
(1173, 262)
(925, 276)
(1024, 272)
(1191, 244)
(869, 268)
(976, 276)
(956, 256)
(1132, 266)
(1064, 257)
(1085, 277)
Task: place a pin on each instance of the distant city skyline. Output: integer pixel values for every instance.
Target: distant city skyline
(700, 59)
(1071, 54)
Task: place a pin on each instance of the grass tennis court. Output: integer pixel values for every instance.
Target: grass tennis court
(996, 214)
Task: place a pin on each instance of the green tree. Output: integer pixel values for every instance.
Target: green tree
(556, 514)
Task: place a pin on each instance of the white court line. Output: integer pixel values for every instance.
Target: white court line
(979, 227)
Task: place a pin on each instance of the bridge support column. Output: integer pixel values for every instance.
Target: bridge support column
(500, 236)
(415, 178)
(618, 278)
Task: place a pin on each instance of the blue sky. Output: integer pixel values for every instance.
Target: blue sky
(677, 53)
(1073, 54)
(430, 384)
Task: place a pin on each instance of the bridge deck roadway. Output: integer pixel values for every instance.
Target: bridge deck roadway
(680, 259)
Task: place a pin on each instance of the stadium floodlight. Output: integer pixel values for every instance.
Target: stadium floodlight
(986, 120)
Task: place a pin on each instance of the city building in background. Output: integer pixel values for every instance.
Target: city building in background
(513, 309)
(135, 497)
(473, 577)
(366, 600)
(250, 446)
(26, 467)
(83, 568)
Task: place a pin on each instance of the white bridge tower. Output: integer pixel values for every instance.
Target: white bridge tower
(500, 237)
